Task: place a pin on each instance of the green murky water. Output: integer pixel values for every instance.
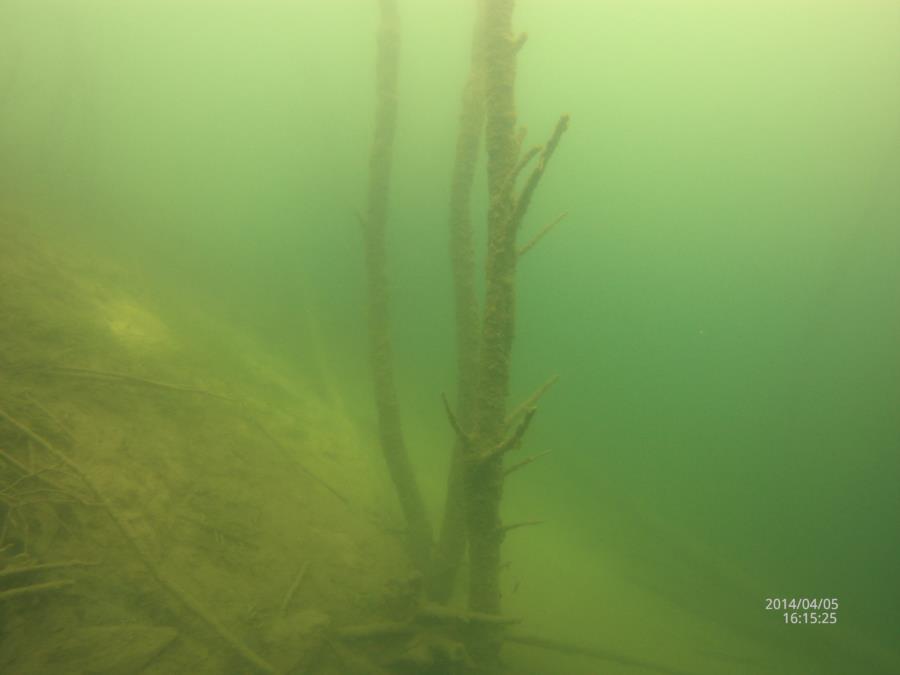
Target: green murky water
(722, 303)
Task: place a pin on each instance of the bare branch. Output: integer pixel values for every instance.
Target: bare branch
(520, 41)
(45, 566)
(36, 588)
(133, 379)
(438, 612)
(525, 462)
(524, 199)
(543, 232)
(526, 158)
(49, 414)
(503, 529)
(524, 161)
(521, 134)
(38, 475)
(514, 439)
(531, 401)
(454, 422)
(294, 586)
(287, 453)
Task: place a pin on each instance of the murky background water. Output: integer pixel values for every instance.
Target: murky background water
(722, 304)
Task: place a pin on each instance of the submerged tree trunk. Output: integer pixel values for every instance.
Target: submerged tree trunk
(451, 545)
(484, 480)
(491, 437)
(374, 226)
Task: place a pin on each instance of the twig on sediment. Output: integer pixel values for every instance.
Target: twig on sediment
(134, 379)
(278, 444)
(32, 399)
(294, 586)
(39, 475)
(44, 567)
(35, 588)
(195, 607)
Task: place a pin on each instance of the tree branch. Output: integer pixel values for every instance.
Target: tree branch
(525, 462)
(442, 613)
(534, 179)
(36, 588)
(513, 440)
(532, 400)
(543, 232)
(503, 529)
(6, 572)
(464, 438)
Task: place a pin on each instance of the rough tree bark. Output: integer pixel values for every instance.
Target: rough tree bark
(483, 475)
(491, 437)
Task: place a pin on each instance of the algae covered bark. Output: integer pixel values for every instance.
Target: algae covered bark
(391, 438)
(484, 482)
(491, 437)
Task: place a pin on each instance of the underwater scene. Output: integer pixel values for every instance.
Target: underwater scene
(450, 337)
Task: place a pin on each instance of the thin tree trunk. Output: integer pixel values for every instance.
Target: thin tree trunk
(374, 225)
(484, 477)
(491, 438)
(451, 543)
